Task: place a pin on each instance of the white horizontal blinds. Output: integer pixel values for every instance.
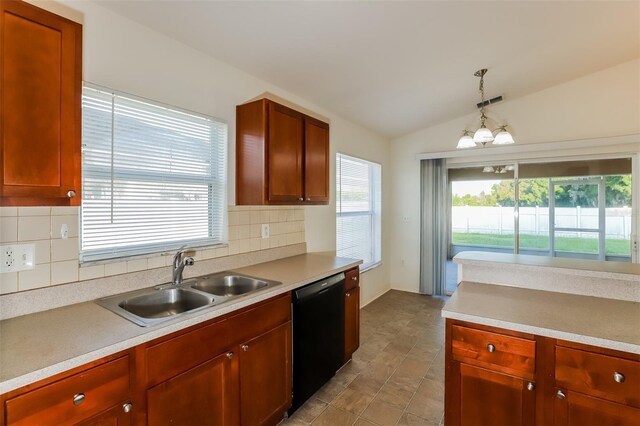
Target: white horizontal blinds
(153, 177)
(358, 209)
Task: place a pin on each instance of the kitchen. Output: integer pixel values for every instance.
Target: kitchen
(123, 57)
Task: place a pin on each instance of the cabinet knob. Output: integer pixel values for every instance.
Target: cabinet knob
(560, 395)
(301, 199)
(71, 193)
(308, 198)
(245, 347)
(78, 399)
(354, 278)
(531, 386)
(348, 294)
(229, 355)
(491, 348)
(618, 377)
(127, 407)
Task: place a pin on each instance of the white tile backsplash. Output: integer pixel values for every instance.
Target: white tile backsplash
(38, 277)
(8, 229)
(33, 227)
(64, 272)
(57, 259)
(64, 249)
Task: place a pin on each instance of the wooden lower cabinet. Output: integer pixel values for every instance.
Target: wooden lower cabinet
(265, 377)
(204, 395)
(502, 377)
(576, 409)
(490, 398)
(351, 322)
(232, 370)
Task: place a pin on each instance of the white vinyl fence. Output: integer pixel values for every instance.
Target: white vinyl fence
(535, 220)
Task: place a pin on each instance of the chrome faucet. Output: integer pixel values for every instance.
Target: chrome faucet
(179, 262)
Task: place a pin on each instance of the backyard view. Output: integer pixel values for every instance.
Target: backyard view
(483, 215)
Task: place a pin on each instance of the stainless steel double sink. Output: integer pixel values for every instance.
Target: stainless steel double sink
(153, 305)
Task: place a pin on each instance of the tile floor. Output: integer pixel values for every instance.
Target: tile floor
(396, 376)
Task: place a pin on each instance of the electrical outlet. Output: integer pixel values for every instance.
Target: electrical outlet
(16, 257)
(265, 230)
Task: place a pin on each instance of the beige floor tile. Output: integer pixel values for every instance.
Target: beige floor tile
(365, 385)
(353, 401)
(310, 410)
(328, 392)
(382, 413)
(334, 416)
(392, 394)
(363, 422)
(426, 407)
(409, 419)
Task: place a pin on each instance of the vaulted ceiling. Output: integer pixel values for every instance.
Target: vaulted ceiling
(394, 66)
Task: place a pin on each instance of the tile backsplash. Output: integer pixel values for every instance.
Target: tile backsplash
(56, 259)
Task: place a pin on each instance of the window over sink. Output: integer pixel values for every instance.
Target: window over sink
(358, 210)
(154, 177)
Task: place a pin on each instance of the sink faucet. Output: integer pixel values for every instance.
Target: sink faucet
(179, 262)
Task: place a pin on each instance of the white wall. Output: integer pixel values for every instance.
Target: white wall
(602, 104)
(124, 55)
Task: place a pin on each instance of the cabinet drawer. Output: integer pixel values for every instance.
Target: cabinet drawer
(103, 387)
(351, 278)
(604, 376)
(508, 354)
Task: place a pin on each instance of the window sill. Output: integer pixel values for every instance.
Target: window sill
(370, 267)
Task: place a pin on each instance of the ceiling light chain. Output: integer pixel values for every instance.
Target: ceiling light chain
(483, 135)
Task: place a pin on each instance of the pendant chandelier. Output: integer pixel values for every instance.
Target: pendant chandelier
(484, 135)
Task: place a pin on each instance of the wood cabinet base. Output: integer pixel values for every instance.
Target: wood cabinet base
(502, 377)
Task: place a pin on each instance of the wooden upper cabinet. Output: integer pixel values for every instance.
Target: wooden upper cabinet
(285, 169)
(316, 162)
(40, 117)
(282, 156)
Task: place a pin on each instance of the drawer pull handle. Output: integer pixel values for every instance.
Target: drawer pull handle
(71, 193)
(491, 348)
(560, 395)
(78, 399)
(354, 278)
(531, 386)
(245, 347)
(348, 294)
(127, 407)
(618, 377)
(229, 355)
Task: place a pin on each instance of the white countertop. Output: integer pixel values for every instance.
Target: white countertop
(602, 269)
(40, 345)
(609, 323)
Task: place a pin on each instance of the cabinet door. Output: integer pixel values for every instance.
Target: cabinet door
(576, 409)
(205, 395)
(316, 162)
(116, 416)
(351, 322)
(40, 108)
(265, 377)
(491, 399)
(284, 149)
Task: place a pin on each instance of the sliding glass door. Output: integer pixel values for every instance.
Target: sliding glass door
(575, 209)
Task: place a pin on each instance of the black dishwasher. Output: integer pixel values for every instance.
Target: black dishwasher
(318, 336)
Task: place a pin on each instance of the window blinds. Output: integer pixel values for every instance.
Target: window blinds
(154, 177)
(358, 208)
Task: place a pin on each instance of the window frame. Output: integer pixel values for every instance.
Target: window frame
(375, 197)
(150, 249)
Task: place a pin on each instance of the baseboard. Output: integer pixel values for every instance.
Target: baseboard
(382, 293)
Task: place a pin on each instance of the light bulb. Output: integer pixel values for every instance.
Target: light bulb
(466, 141)
(503, 138)
(488, 169)
(483, 135)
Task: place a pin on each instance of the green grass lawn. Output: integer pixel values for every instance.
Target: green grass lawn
(576, 245)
